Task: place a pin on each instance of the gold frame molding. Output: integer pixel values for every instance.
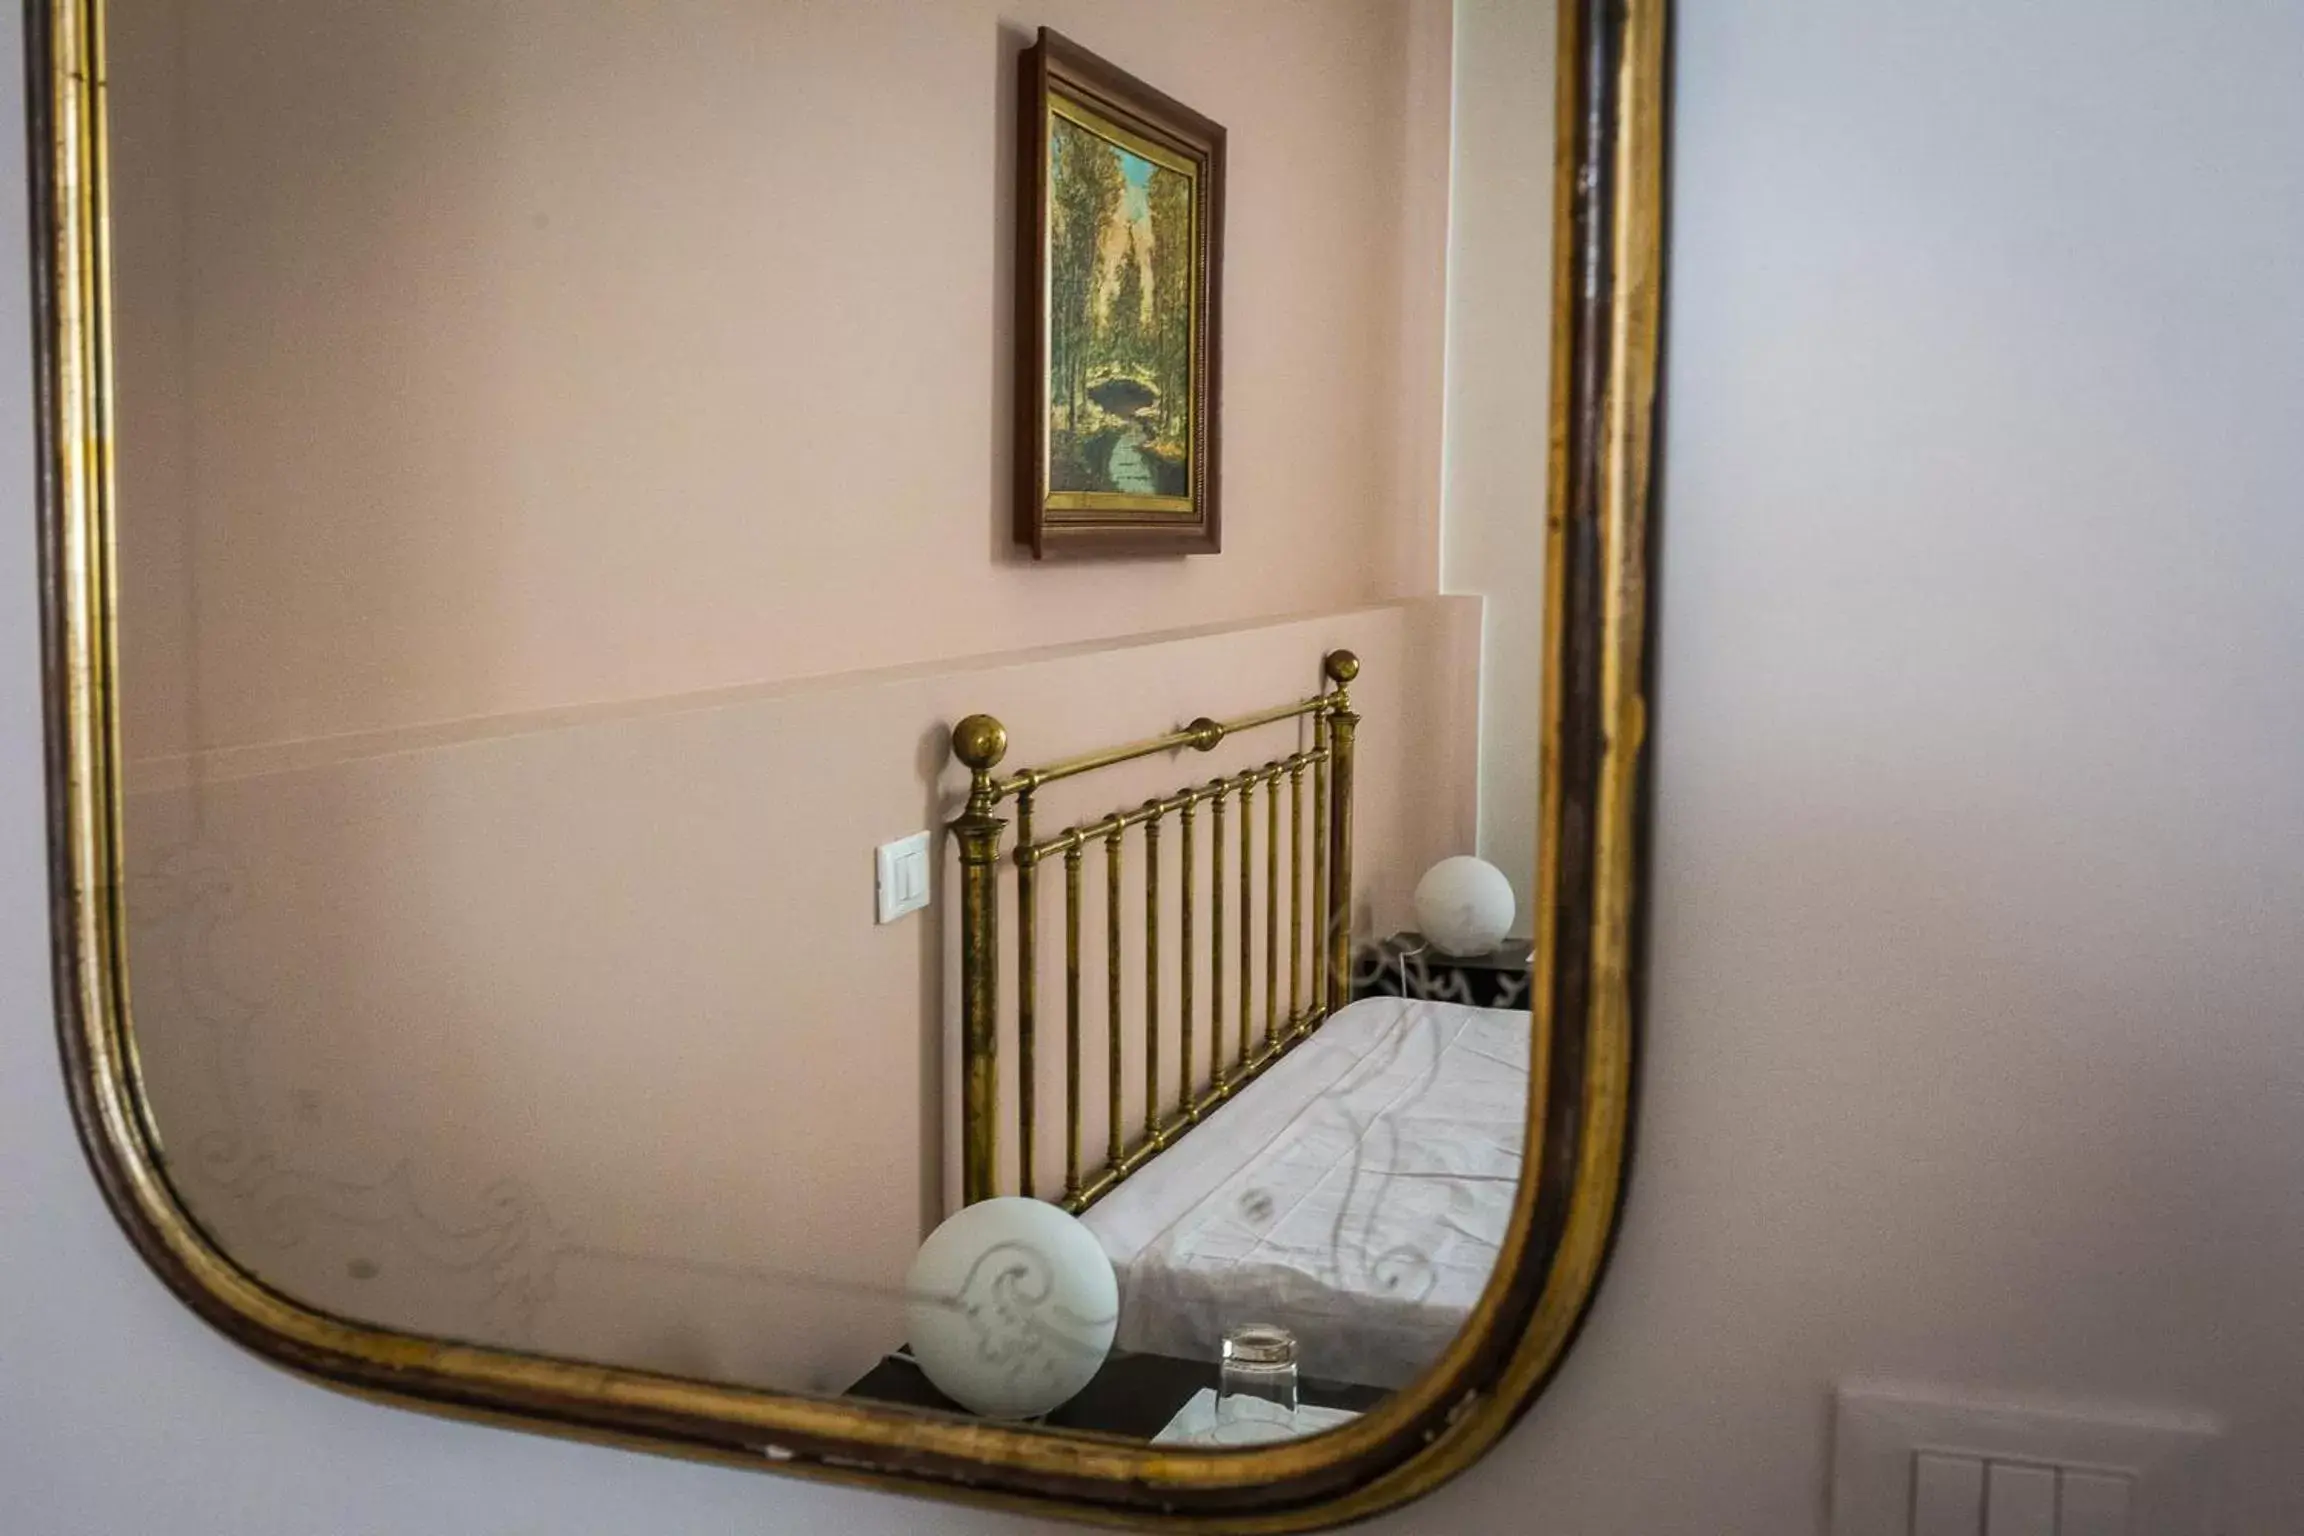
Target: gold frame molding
(1609, 206)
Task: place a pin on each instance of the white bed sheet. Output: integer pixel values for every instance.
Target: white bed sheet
(1355, 1194)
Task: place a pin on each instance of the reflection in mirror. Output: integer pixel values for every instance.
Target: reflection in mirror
(573, 532)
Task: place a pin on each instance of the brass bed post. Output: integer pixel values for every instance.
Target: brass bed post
(1272, 1031)
(1152, 976)
(1115, 1048)
(1342, 667)
(1216, 1072)
(1072, 1019)
(979, 742)
(1296, 893)
(1190, 899)
(1321, 758)
(1247, 915)
(1027, 991)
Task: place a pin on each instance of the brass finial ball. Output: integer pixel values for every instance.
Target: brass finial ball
(979, 742)
(1343, 666)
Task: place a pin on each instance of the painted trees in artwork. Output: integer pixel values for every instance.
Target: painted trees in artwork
(1120, 290)
(1084, 174)
(1124, 319)
(1170, 196)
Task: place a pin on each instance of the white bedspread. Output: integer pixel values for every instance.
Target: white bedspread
(1355, 1194)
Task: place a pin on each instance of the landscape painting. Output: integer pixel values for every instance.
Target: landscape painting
(1120, 317)
(1120, 245)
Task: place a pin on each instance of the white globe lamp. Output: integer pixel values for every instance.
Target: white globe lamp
(1012, 1306)
(1464, 906)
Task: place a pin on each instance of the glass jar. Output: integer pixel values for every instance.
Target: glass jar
(1256, 1385)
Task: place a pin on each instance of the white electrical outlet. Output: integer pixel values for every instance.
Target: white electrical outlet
(901, 876)
(1911, 1463)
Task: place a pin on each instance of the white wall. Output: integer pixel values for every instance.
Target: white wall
(1499, 388)
(1977, 1037)
(1974, 1049)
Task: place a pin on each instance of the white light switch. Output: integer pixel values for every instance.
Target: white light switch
(1947, 1495)
(1908, 1462)
(901, 868)
(2092, 1504)
(2020, 1501)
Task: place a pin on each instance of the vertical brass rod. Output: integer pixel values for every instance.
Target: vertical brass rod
(1152, 979)
(1295, 894)
(1247, 912)
(1271, 906)
(1343, 666)
(1027, 994)
(1189, 898)
(979, 742)
(1112, 1003)
(1072, 1020)
(1320, 1003)
(1216, 1072)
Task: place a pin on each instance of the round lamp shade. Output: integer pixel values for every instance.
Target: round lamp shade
(1464, 906)
(1012, 1307)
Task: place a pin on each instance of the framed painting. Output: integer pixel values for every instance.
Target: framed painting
(1120, 212)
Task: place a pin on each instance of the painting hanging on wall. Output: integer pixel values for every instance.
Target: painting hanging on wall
(1120, 250)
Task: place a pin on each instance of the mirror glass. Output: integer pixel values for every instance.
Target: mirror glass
(572, 488)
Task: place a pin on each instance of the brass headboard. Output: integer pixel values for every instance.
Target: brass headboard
(979, 742)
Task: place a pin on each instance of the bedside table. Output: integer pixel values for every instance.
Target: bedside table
(1133, 1395)
(1405, 966)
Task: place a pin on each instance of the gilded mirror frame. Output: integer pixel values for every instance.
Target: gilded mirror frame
(1608, 274)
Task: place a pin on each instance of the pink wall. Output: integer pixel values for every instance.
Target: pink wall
(564, 499)
(579, 1035)
(1499, 293)
(481, 359)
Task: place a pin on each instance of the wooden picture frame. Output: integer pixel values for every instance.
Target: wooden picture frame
(1118, 343)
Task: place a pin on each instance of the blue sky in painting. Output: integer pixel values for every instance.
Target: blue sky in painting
(1136, 172)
